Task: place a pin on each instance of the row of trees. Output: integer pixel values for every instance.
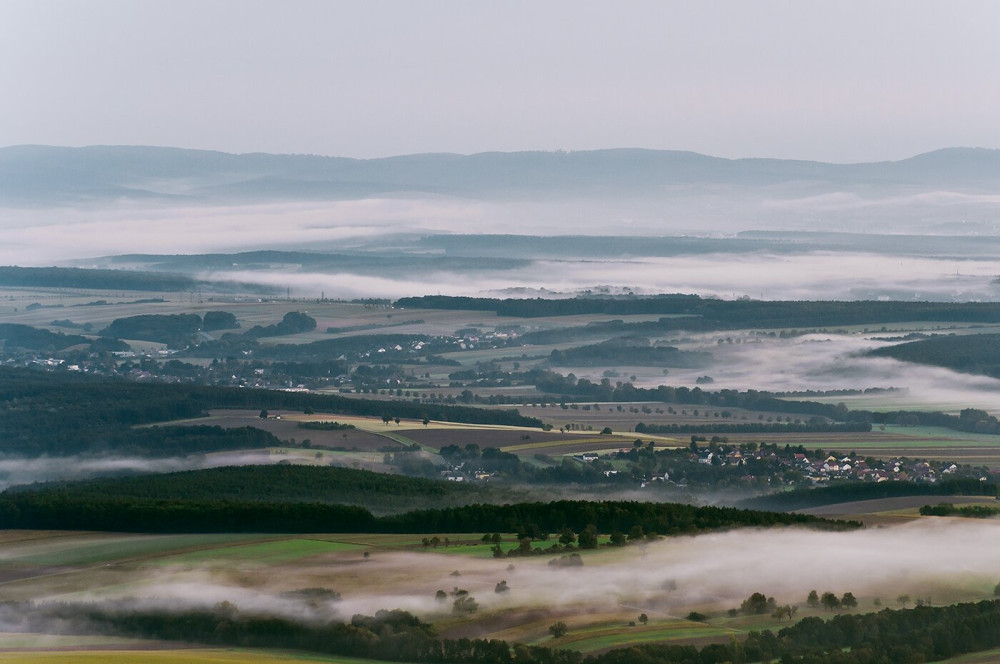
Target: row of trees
(721, 314)
(90, 506)
(851, 491)
(909, 635)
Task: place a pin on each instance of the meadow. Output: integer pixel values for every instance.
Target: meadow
(603, 603)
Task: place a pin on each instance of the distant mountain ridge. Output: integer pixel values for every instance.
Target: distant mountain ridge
(44, 175)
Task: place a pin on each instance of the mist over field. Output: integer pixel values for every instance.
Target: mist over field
(837, 362)
(808, 276)
(705, 572)
(62, 204)
(22, 471)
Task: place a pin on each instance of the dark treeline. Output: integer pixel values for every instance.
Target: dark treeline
(969, 353)
(292, 323)
(171, 329)
(724, 314)
(629, 350)
(279, 483)
(568, 388)
(95, 505)
(557, 384)
(970, 511)
(33, 338)
(176, 330)
(851, 491)
(755, 427)
(66, 413)
(219, 320)
(899, 636)
(73, 277)
(607, 516)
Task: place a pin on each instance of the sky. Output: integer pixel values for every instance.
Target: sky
(842, 81)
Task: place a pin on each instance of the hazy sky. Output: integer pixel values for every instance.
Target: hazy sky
(829, 80)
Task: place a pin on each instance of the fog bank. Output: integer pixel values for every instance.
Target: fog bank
(671, 576)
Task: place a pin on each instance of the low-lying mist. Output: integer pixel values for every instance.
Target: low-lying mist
(19, 470)
(806, 276)
(947, 559)
(839, 362)
(45, 236)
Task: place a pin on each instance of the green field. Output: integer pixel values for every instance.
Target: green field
(604, 637)
(264, 553)
(81, 549)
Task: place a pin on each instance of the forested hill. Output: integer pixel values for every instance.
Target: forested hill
(63, 413)
(34, 173)
(132, 280)
(700, 313)
(799, 499)
(378, 492)
(968, 353)
(185, 502)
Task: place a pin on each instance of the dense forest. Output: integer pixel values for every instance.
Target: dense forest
(175, 330)
(922, 634)
(186, 502)
(33, 338)
(73, 277)
(65, 413)
(293, 322)
(280, 483)
(723, 314)
(629, 351)
(852, 491)
(969, 353)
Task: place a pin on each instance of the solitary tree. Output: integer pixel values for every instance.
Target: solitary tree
(263, 415)
(849, 601)
(465, 604)
(758, 603)
(829, 601)
(813, 599)
(786, 611)
(643, 618)
(558, 630)
(587, 539)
